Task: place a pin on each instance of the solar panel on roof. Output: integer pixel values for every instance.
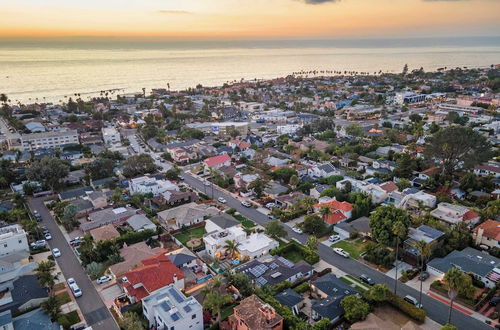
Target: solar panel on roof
(262, 281)
(286, 262)
(175, 316)
(273, 265)
(259, 270)
(165, 306)
(176, 295)
(187, 308)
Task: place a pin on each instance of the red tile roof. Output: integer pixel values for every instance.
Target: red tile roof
(335, 205)
(334, 217)
(469, 215)
(389, 186)
(216, 160)
(491, 229)
(155, 273)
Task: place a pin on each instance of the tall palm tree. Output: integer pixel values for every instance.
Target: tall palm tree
(398, 229)
(232, 247)
(309, 203)
(454, 280)
(424, 252)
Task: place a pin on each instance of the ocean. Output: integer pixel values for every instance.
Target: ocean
(53, 70)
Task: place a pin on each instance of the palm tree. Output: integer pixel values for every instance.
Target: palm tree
(312, 243)
(424, 251)
(52, 308)
(232, 247)
(309, 203)
(454, 280)
(398, 230)
(325, 211)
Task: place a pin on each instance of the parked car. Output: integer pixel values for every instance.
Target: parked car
(271, 217)
(413, 301)
(334, 238)
(71, 281)
(222, 200)
(76, 290)
(56, 252)
(104, 279)
(39, 244)
(207, 183)
(494, 301)
(246, 204)
(270, 205)
(341, 252)
(423, 276)
(297, 230)
(366, 279)
(48, 236)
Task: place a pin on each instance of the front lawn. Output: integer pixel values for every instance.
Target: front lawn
(63, 298)
(244, 221)
(67, 320)
(185, 236)
(354, 248)
(59, 286)
(227, 311)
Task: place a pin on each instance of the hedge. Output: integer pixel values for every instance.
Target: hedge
(301, 288)
(418, 314)
(288, 216)
(135, 237)
(291, 321)
(309, 256)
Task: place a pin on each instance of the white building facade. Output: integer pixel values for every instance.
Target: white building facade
(49, 140)
(13, 239)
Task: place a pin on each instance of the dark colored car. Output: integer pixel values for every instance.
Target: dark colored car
(423, 276)
(494, 301)
(366, 279)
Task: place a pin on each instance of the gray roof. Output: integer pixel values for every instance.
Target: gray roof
(329, 308)
(139, 221)
(82, 204)
(180, 259)
(74, 193)
(328, 168)
(35, 320)
(360, 225)
(332, 286)
(289, 298)
(224, 220)
(275, 188)
(5, 318)
(107, 216)
(468, 260)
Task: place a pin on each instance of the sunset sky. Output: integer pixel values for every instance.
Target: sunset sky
(249, 18)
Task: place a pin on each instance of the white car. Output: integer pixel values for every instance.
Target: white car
(39, 244)
(334, 238)
(341, 252)
(56, 252)
(246, 204)
(104, 279)
(71, 281)
(270, 205)
(297, 230)
(76, 290)
(206, 183)
(222, 200)
(48, 236)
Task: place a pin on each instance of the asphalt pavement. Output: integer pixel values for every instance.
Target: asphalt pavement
(435, 309)
(93, 309)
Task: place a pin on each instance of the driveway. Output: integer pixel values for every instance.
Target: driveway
(435, 309)
(93, 309)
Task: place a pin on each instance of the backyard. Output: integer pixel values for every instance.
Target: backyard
(186, 235)
(354, 248)
(244, 221)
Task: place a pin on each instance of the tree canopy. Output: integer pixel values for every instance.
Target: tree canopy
(48, 171)
(137, 165)
(382, 222)
(355, 308)
(275, 229)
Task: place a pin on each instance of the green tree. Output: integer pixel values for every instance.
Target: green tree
(355, 308)
(138, 165)
(258, 186)
(312, 243)
(284, 174)
(232, 247)
(241, 282)
(449, 327)
(399, 230)
(49, 171)
(323, 324)
(457, 145)
(52, 308)
(492, 210)
(274, 229)
(377, 293)
(457, 282)
(215, 301)
(46, 278)
(69, 217)
(294, 180)
(468, 182)
(382, 222)
(313, 225)
(405, 166)
(403, 184)
(101, 168)
(355, 130)
(131, 321)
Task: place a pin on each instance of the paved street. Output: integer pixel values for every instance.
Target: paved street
(435, 309)
(95, 312)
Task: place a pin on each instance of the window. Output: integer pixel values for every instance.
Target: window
(5, 245)
(193, 316)
(20, 241)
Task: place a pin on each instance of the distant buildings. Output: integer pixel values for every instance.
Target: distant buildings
(110, 135)
(57, 139)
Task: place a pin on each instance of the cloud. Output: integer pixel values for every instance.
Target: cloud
(174, 12)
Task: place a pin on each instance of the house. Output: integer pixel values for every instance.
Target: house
(487, 233)
(373, 322)
(12, 267)
(217, 162)
(110, 135)
(276, 162)
(288, 200)
(322, 171)
(25, 292)
(215, 241)
(361, 226)
(145, 185)
(104, 233)
(75, 177)
(154, 273)
(13, 239)
(72, 194)
(429, 235)
(107, 216)
(186, 215)
(244, 180)
(139, 222)
(220, 222)
(256, 245)
(339, 211)
(455, 214)
(182, 258)
(252, 313)
(132, 256)
(416, 199)
(274, 189)
(290, 299)
(316, 191)
(98, 199)
(389, 186)
(487, 169)
(272, 270)
(172, 197)
(168, 308)
(82, 206)
(482, 266)
(331, 291)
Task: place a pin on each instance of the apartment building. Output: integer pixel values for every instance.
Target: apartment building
(110, 135)
(13, 238)
(56, 139)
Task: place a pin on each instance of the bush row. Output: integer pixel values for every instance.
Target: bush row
(310, 256)
(412, 311)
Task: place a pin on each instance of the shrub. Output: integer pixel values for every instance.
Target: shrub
(353, 235)
(135, 237)
(280, 287)
(411, 310)
(291, 321)
(67, 320)
(231, 211)
(301, 288)
(308, 255)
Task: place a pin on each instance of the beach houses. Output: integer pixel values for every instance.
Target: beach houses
(186, 215)
(487, 234)
(455, 214)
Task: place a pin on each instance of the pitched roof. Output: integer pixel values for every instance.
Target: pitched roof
(155, 273)
(491, 229)
(216, 160)
(251, 311)
(334, 217)
(104, 233)
(132, 255)
(224, 220)
(389, 186)
(180, 259)
(469, 260)
(335, 205)
(289, 298)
